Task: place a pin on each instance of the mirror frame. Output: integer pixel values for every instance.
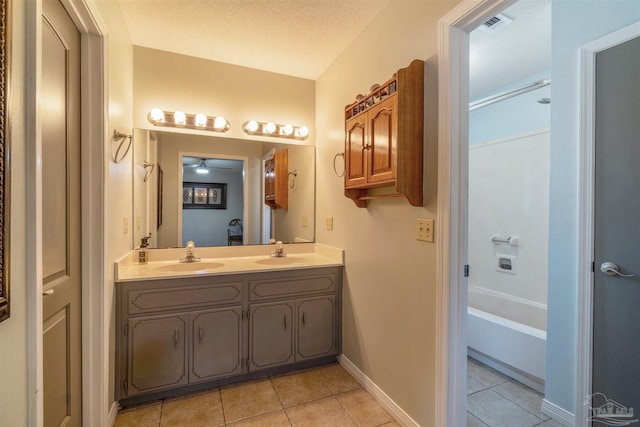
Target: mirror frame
(5, 158)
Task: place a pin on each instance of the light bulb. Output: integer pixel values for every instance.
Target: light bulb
(157, 115)
(252, 126)
(179, 117)
(303, 131)
(202, 170)
(201, 119)
(270, 127)
(287, 130)
(220, 122)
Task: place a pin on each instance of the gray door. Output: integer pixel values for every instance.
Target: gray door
(216, 343)
(61, 256)
(271, 335)
(316, 327)
(616, 312)
(157, 353)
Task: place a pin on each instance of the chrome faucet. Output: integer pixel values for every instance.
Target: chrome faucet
(190, 253)
(279, 252)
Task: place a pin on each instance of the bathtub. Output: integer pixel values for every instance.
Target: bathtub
(513, 348)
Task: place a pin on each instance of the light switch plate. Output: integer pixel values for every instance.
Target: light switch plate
(329, 223)
(424, 230)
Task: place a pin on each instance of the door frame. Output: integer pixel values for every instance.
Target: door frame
(95, 329)
(452, 211)
(586, 198)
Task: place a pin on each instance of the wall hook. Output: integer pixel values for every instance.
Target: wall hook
(292, 181)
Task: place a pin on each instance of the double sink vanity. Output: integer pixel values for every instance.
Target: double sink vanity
(236, 314)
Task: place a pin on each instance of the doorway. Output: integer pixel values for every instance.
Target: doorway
(508, 210)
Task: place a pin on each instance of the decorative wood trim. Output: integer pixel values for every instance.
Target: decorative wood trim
(5, 156)
(586, 200)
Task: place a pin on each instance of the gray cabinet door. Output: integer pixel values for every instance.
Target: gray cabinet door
(157, 353)
(216, 343)
(271, 334)
(316, 327)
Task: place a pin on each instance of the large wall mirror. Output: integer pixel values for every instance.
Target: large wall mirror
(211, 190)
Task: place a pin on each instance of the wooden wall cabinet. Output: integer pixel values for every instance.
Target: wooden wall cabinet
(384, 138)
(276, 174)
(180, 335)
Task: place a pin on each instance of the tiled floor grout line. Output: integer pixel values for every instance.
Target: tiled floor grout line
(513, 401)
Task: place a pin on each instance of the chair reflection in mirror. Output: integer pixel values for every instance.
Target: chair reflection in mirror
(234, 232)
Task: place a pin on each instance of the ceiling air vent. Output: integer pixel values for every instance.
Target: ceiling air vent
(495, 23)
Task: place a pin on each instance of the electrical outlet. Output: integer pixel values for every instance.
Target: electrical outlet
(305, 221)
(125, 225)
(329, 223)
(424, 230)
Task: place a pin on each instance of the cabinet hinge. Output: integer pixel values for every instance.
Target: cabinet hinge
(126, 329)
(466, 270)
(126, 386)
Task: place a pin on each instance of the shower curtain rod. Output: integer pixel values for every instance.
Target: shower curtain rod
(509, 94)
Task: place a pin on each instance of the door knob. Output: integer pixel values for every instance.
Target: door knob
(48, 292)
(610, 269)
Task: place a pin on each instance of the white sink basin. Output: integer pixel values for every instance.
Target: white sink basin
(190, 266)
(281, 261)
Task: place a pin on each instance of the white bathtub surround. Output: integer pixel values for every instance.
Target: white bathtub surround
(512, 348)
(509, 196)
(226, 260)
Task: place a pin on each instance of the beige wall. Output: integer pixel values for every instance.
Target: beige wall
(13, 332)
(177, 82)
(389, 294)
(119, 175)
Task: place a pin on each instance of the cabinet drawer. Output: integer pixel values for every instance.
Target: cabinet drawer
(263, 289)
(183, 297)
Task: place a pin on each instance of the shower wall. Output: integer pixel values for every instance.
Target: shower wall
(509, 197)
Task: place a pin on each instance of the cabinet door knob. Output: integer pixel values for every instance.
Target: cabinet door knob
(200, 333)
(367, 147)
(285, 321)
(175, 338)
(304, 318)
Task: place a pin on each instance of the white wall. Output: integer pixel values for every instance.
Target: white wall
(171, 81)
(389, 292)
(515, 115)
(574, 23)
(13, 331)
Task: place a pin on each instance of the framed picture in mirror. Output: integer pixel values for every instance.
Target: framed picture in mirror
(204, 195)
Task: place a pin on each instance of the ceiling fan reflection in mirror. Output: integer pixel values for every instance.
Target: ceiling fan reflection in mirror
(201, 166)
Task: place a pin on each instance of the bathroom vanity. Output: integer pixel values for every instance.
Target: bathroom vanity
(185, 327)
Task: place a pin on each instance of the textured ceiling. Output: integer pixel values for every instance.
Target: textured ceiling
(296, 37)
(514, 52)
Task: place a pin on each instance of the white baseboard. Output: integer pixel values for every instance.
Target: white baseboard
(387, 403)
(557, 413)
(113, 413)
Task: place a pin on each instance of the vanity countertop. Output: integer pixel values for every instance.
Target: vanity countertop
(165, 264)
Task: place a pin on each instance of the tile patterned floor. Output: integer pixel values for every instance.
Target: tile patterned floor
(496, 400)
(324, 396)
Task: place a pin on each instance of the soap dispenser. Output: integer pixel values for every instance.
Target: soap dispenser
(143, 251)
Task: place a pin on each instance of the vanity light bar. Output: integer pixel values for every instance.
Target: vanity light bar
(253, 127)
(179, 119)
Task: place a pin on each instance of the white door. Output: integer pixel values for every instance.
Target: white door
(61, 225)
